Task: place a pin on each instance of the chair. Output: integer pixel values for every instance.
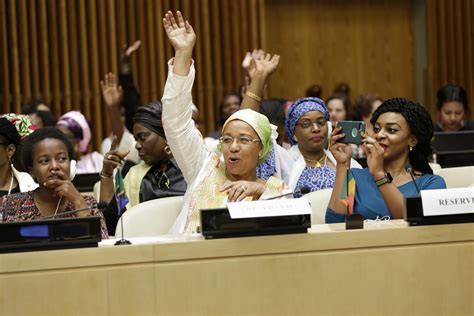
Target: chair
(319, 201)
(457, 177)
(150, 218)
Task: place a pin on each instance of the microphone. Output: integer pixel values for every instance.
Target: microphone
(100, 205)
(302, 191)
(409, 169)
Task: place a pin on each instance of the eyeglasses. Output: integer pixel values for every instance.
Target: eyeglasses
(227, 141)
(308, 123)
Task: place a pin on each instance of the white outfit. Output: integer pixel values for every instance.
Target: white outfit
(294, 164)
(90, 163)
(194, 159)
(25, 181)
(127, 142)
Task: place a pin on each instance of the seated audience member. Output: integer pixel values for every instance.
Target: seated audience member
(338, 105)
(314, 91)
(306, 163)
(402, 137)
(245, 143)
(342, 88)
(156, 176)
(11, 180)
(113, 97)
(363, 108)
(452, 105)
(75, 126)
(47, 155)
(307, 128)
(273, 109)
(40, 113)
(229, 105)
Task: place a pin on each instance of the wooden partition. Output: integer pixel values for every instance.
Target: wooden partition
(365, 43)
(450, 37)
(59, 50)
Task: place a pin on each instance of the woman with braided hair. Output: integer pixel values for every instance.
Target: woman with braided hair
(400, 145)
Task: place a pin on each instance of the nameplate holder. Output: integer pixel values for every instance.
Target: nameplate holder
(448, 201)
(283, 207)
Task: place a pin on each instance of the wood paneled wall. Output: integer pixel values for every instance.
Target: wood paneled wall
(59, 50)
(450, 37)
(365, 43)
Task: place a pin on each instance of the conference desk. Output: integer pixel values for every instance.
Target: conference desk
(392, 270)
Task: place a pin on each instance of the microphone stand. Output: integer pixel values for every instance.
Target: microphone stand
(122, 241)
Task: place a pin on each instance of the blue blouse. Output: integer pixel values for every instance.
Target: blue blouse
(368, 200)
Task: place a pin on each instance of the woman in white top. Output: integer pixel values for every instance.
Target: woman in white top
(245, 143)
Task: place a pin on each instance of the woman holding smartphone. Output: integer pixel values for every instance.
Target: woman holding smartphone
(397, 151)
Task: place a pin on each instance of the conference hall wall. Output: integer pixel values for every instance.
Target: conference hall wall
(59, 50)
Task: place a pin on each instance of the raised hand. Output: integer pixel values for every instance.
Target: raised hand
(255, 54)
(125, 56)
(112, 159)
(180, 33)
(263, 66)
(111, 90)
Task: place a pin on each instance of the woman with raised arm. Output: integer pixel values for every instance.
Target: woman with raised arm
(307, 163)
(245, 141)
(398, 150)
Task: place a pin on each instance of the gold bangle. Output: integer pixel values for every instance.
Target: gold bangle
(103, 176)
(253, 96)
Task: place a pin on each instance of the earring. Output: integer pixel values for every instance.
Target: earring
(167, 150)
(295, 139)
(411, 148)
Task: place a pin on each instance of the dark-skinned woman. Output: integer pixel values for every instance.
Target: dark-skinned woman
(156, 176)
(402, 137)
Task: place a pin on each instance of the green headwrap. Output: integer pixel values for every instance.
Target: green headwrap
(260, 124)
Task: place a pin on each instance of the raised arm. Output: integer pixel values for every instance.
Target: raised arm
(113, 97)
(259, 72)
(183, 137)
(131, 97)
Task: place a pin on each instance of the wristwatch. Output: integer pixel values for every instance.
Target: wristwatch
(386, 179)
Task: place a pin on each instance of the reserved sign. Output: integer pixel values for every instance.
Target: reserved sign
(269, 208)
(448, 201)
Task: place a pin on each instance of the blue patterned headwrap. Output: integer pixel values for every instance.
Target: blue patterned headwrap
(298, 109)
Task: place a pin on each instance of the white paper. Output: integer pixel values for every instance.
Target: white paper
(269, 208)
(448, 201)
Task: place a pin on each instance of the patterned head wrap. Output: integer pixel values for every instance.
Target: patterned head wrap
(22, 123)
(76, 122)
(298, 109)
(260, 124)
(149, 115)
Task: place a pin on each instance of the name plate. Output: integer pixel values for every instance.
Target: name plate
(448, 201)
(268, 208)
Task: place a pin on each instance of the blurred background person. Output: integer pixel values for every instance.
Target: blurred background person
(452, 105)
(338, 105)
(75, 126)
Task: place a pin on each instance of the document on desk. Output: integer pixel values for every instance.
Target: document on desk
(269, 208)
(448, 201)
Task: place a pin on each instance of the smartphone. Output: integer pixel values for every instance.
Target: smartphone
(353, 131)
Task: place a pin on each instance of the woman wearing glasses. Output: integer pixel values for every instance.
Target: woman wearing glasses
(245, 142)
(307, 128)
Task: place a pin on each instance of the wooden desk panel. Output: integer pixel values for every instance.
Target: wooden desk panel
(409, 271)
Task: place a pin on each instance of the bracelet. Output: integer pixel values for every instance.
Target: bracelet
(253, 96)
(104, 176)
